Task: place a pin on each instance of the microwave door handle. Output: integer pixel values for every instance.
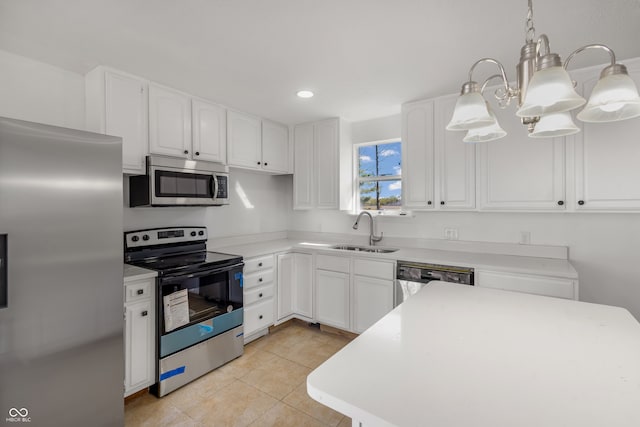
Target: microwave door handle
(214, 182)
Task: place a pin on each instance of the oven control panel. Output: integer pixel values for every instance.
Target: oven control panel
(161, 236)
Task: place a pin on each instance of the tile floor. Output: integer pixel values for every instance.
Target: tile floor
(264, 387)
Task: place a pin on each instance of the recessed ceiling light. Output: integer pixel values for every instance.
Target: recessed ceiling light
(305, 94)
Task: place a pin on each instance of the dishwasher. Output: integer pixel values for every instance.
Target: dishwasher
(412, 276)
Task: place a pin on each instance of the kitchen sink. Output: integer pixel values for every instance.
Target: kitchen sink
(363, 249)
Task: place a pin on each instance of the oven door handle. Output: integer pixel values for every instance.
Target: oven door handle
(179, 277)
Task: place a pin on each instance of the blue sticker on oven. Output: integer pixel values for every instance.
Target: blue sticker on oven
(238, 276)
(172, 373)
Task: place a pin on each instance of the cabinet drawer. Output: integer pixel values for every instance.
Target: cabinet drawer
(258, 279)
(371, 268)
(257, 264)
(258, 294)
(531, 284)
(258, 316)
(138, 290)
(333, 263)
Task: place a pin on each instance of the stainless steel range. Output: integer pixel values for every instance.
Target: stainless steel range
(199, 302)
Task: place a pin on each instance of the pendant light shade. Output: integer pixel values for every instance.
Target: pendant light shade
(470, 112)
(615, 97)
(550, 91)
(485, 133)
(554, 125)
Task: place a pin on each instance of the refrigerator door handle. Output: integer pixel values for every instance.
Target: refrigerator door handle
(4, 281)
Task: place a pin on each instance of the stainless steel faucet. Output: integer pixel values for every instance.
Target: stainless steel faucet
(372, 237)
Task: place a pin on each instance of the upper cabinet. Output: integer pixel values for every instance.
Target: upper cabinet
(520, 173)
(169, 122)
(417, 155)
(323, 166)
(607, 176)
(257, 144)
(209, 131)
(116, 104)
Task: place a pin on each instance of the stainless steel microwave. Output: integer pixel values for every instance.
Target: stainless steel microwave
(178, 182)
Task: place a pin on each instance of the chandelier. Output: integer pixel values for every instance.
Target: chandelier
(545, 93)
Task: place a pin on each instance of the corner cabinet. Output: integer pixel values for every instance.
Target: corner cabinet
(116, 104)
(323, 166)
(607, 175)
(139, 335)
(295, 286)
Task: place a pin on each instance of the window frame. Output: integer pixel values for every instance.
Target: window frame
(378, 178)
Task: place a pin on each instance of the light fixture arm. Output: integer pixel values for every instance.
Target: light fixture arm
(591, 46)
(508, 92)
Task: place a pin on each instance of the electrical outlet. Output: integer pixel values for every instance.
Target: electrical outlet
(451, 233)
(525, 237)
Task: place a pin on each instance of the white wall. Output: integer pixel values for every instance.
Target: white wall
(604, 248)
(38, 92)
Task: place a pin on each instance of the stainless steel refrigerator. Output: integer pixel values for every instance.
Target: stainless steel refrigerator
(61, 311)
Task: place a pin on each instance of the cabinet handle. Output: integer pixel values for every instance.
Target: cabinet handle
(442, 202)
(260, 296)
(186, 151)
(144, 313)
(560, 202)
(260, 317)
(429, 202)
(140, 291)
(581, 202)
(259, 264)
(265, 163)
(258, 162)
(260, 279)
(197, 153)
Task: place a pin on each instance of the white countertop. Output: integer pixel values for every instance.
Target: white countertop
(131, 273)
(455, 355)
(515, 264)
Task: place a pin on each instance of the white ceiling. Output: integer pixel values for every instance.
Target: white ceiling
(363, 58)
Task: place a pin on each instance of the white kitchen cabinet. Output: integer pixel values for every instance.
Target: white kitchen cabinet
(116, 104)
(139, 335)
(520, 173)
(275, 147)
(372, 300)
(418, 155)
(607, 175)
(332, 298)
(244, 140)
(559, 287)
(209, 125)
(258, 293)
(295, 286)
(323, 166)
(455, 164)
(169, 122)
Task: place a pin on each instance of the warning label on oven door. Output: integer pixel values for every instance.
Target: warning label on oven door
(176, 310)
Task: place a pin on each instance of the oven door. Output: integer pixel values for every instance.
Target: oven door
(182, 187)
(195, 307)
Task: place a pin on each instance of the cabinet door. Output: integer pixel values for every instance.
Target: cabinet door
(126, 116)
(417, 155)
(455, 161)
(275, 147)
(372, 299)
(540, 285)
(303, 167)
(606, 160)
(169, 122)
(518, 172)
(244, 140)
(326, 134)
(139, 353)
(332, 298)
(303, 285)
(285, 285)
(209, 131)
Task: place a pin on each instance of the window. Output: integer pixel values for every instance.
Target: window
(379, 176)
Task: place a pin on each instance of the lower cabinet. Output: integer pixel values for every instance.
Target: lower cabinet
(295, 286)
(353, 293)
(559, 287)
(139, 335)
(258, 296)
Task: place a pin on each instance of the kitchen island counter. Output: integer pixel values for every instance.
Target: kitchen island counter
(455, 355)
